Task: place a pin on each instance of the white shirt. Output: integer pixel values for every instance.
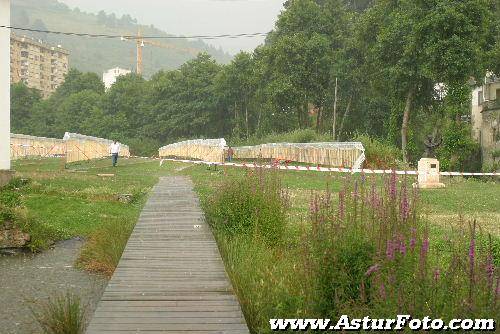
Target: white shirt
(114, 148)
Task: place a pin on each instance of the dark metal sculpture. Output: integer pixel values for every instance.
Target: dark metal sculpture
(431, 146)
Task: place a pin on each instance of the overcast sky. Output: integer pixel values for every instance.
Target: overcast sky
(197, 17)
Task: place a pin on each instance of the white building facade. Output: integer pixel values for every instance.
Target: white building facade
(485, 116)
(109, 77)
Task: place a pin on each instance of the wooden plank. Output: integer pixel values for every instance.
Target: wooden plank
(171, 278)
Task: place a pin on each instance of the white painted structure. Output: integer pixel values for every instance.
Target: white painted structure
(4, 85)
(109, 77)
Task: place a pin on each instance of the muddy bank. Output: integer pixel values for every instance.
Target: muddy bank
(26, 279)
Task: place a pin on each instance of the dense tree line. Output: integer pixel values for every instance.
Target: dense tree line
(372, 66)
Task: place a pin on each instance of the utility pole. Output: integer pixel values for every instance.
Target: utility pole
(4, 91)
(334, 134)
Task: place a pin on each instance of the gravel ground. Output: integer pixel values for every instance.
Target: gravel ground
(27, 279)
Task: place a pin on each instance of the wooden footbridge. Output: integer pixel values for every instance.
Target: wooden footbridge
(170, 278)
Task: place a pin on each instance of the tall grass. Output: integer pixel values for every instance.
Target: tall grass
(373, 254)
(63, 314)
(254, 205)
(364, 251)
(103, 249)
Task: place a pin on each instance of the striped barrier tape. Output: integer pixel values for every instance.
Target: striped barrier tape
(324, 169)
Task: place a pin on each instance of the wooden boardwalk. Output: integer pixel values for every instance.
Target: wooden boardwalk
(170, 278)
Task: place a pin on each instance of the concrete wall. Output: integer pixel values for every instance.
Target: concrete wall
(4, 86)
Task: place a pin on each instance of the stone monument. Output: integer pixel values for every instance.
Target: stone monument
(428, 166)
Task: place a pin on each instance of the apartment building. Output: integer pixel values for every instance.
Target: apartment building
(38, 64)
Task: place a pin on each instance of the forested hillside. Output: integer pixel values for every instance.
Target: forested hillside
(386, 60)
(97, 55)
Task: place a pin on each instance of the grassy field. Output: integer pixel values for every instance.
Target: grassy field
(269, 279)
(470, 198)
(76, 202)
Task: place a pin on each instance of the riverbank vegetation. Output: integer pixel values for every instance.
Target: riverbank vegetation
(353, 245)
(52, 203)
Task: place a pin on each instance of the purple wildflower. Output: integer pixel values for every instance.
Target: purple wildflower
(390, 250)
(472, 252)
(402, 247)
(392, 186)
(372, 269)
(382, 291)
(413, 240)
(437, 274)
(425, 246)
(341, 204)
(405, 205)
(490, 269)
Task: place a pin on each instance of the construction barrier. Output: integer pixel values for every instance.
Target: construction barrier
(323, 169)
(350, 155)
(23, 146)
(202, 149)
(75, 147)
(80, 147)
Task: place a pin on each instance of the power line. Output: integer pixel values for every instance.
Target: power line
(245, 35)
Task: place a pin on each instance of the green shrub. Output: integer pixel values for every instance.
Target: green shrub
(378, 153)
(12, 209)
(10, 198)
(459, 151)
(495, 154)
(254, 204)
(62, 314)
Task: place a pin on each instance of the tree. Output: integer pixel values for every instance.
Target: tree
(236, 85)
(185, 102)
(412, 45)
(23, 99)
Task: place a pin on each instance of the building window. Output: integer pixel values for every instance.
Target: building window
(498, 94)
(480, 98)
(24, 54)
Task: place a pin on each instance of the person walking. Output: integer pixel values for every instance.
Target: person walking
(230, 153)
(114, 149)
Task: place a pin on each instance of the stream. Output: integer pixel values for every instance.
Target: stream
(27, 279)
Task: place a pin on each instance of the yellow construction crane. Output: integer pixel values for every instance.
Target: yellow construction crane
(142, 42)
